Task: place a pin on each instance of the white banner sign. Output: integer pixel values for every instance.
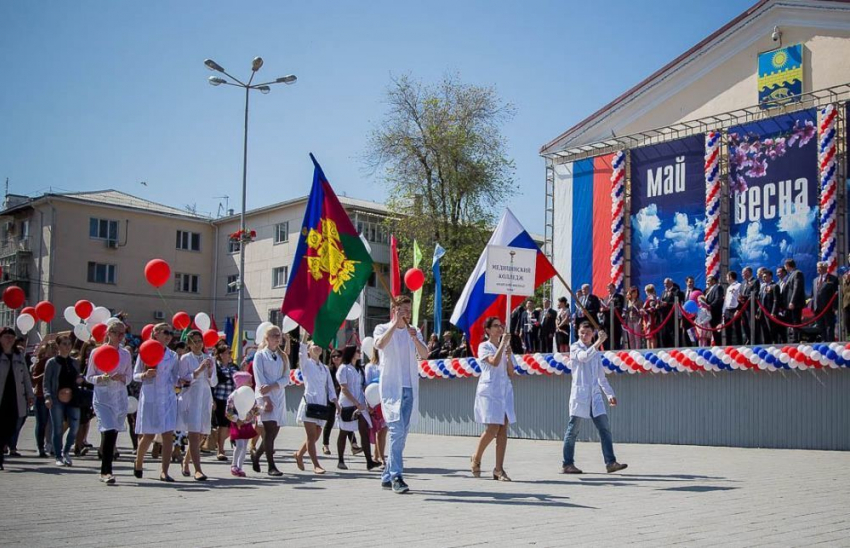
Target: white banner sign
(510, 270)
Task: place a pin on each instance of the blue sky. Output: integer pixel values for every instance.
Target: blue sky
(105, 94)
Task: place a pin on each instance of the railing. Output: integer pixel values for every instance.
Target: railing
(13, 245)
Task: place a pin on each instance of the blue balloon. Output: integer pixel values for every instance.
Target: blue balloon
(691, 307)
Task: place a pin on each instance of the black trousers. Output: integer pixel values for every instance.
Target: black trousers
(733, 331)
(794, 316)
(110, 438)
(827, 327)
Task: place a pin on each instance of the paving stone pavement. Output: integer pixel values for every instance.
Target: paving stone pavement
(669, 495)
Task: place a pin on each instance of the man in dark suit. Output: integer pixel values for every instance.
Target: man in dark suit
(530, 322)
(669, 296)
(590, 302)
(749, 289)
(796, 298)
(713, 297)
(780, 332)
(516, 329)
(824, 289)
(548, 317)
(767, 332)
(611, 323)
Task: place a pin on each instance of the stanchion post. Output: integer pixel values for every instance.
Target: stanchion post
(676, 321)
(752, 319)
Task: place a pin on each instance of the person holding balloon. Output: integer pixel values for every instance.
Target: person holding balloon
(354, 414)
(110, 370)
(494, 396)
(315, 406)
(271, 375)
(225, 369)
(157, 368)
(378, 432)
(194, 415)
(241, 410)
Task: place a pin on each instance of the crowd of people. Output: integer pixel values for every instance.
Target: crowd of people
(193, 398)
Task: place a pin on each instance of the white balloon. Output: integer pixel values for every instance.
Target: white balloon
(368, 345)
(288, 324)
(25, 322)
(373, 395)
(81, 331)
(243, 400)
(202, 320)
(99, 315)
(71, 316)
(132, 405)
(261, 331)
(354, 313)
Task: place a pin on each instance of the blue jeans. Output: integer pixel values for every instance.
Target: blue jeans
(602, 425)
(42, 417)
(398, 437)
(59, 413)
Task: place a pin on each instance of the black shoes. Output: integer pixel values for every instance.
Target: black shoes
(137, 473)
(399, 487)
(274, 472)
(386, 485)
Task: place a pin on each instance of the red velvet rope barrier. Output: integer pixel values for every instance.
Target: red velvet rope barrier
(734, 319)
(641, 335)
(799, 325)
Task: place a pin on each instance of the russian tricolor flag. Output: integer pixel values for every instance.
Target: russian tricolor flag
(475, 305)
(581, 241)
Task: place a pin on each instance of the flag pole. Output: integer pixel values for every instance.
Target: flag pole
(383, 282)
(590, 318)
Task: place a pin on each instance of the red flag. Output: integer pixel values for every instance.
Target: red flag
(395, 273)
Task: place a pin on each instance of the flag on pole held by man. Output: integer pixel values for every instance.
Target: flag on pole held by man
(474, 305)
(395, 273)
(417, 295)
(331, 265)
(438, 288)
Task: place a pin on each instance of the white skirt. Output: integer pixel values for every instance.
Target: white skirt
(352, 426)
(301, 417)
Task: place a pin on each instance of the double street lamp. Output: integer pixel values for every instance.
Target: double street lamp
(262, 88)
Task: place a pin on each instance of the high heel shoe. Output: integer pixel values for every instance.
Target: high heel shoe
(476, 467)
(499, 475)
(137, 473)
(255, 462)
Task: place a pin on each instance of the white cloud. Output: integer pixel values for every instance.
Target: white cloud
(646, 221)
(798, 222)
(685, 240)
(750, 247)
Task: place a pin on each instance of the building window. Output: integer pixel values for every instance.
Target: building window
(25, 230)
(186, 283)
(100, 273)
(281, 233)
(373, 231)
(189, 241)
(280, 276)
(233, 246)
(276, 317)
(232, 284)
(103, 229)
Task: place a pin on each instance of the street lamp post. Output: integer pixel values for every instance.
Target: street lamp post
(262, 88)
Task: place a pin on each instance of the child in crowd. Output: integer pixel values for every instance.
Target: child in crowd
(241, 428)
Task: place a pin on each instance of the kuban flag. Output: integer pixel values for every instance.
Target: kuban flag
(331, 265)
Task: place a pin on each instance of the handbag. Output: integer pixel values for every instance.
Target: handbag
(318, 411)
(346, 414)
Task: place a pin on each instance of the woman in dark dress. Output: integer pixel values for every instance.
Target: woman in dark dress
(16, 393)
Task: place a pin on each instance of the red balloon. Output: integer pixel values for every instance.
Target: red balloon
(157, 272)
(45, 311)
(31, 311)
(151, 352)
(83, 309)
(414, 279)
(13, 297)
(211, 337)
(98, 332)
(147, 331)
(105, 357)
(181, 320)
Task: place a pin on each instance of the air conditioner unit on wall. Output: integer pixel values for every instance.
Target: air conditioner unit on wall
(158, 315)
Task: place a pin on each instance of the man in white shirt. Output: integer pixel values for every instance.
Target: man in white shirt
(588, 385)
(399, 347)
(731, 305)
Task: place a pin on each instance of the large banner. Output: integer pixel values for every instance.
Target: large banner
(668, 213)
(773, 182)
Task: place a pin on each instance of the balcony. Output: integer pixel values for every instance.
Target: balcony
(13, 245)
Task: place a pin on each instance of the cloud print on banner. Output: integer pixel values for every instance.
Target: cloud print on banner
(668, 212)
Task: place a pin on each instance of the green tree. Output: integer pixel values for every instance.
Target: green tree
(440, 151)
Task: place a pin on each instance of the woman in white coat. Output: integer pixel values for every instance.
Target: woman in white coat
(110, 398)
(353, 398)
(157, 412)
(194, 408)
(318, 389)
(271, 376)
(494, 397)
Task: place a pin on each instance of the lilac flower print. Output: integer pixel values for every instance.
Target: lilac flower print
(737, 183)
(758, 168)
(778, 149)
(807, 133)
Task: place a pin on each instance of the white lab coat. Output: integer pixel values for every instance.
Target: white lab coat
(157, 399)
(318, 385)
(110, 396)
(271, 368)
(194, 406)
(588, 383)
(494, 396)
(398, 354)
(349, 377)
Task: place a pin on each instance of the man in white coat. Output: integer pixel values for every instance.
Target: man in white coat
(586, 402)
(398, 346)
